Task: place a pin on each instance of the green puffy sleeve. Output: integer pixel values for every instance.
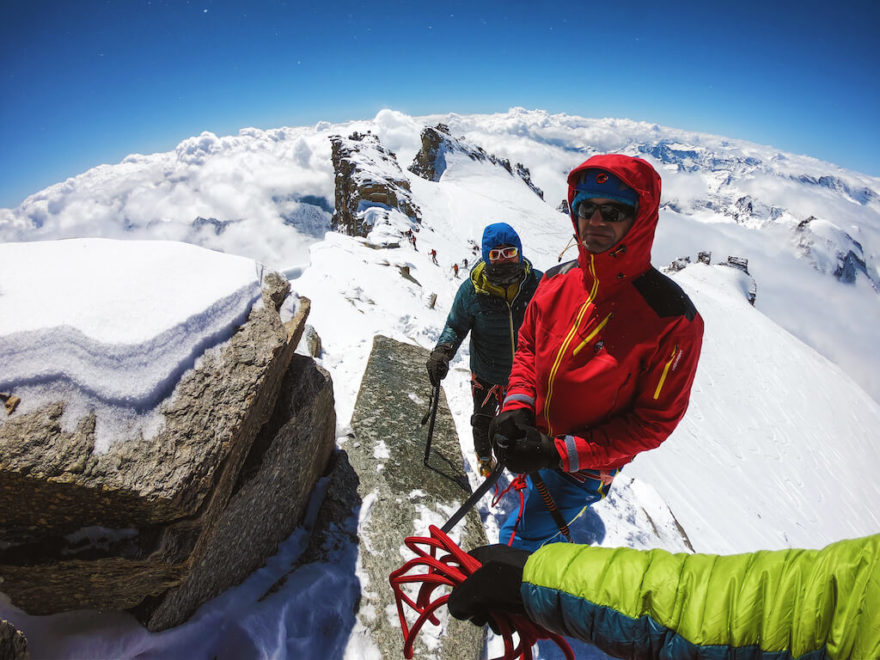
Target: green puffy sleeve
(768, 604)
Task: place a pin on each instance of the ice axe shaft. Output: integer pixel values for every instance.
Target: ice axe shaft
(475, 497)
(431, 417)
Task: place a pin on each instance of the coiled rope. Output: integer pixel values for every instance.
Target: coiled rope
(448, 565)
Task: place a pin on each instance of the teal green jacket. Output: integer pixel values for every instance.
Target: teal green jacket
(492, 315)
(806, 604)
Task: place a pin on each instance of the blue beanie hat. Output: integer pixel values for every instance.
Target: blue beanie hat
(601, 183)
(500, 233)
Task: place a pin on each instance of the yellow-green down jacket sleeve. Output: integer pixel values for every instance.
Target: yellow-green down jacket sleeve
(769, 604)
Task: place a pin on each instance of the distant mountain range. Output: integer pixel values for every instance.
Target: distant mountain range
(269, 194)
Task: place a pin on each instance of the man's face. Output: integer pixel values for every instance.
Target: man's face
(596, 232)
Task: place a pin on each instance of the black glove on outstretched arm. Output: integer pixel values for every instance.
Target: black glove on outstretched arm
(494, 587)
(438, 363)
(519, 445)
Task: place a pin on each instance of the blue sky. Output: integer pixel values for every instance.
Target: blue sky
(88, 82)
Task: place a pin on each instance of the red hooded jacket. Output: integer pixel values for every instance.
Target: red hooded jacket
(609, 346)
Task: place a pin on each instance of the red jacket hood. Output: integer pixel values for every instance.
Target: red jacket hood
(632, 255)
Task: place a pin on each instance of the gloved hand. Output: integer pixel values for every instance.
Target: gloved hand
(494, 587)
(438, 363)
(519, 445)
(512, 424)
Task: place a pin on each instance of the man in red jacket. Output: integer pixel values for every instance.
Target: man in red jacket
(606, 354)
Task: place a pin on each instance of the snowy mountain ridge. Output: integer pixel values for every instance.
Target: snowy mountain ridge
(269, 195)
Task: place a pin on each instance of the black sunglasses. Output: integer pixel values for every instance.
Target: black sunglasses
(610, 212)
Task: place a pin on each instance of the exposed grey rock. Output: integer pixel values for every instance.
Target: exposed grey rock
(268, 502)
(13, 644)
(367, 175)
(10, 402)
(275, 290)
(406, 274)
(400, 493)
(313, 341)
(832, 250)
(118, 530)
(740, 263)
(335, 527)
(212, 224)
(679, 264)
(430, 162)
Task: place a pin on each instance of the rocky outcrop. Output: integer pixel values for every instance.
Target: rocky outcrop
(399, 495)
(367, 175)
(13, 644)
(430, 162)
(158, 526)
(831, 250)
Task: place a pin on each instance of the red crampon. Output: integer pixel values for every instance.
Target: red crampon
(449, 565)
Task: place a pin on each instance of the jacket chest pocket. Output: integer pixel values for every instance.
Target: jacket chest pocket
(590, 339)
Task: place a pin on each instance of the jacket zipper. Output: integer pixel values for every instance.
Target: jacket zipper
(566, 342)
(510, 318)
(592, 334)
(665, 372)
(510, 325)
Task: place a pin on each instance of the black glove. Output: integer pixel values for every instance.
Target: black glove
(494, 587)
(438, 363)
(512, 424)
(519, 445)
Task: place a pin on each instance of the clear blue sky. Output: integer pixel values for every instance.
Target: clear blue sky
(87, 82)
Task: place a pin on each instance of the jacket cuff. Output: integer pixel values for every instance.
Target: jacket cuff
(567, 446)
(517, 401)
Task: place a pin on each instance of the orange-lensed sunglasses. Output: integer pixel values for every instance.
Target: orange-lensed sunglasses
(503, 253)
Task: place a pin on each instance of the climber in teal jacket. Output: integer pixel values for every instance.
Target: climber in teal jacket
(802, 604)
(489, 305)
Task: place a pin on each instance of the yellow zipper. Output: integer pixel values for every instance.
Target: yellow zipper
(665, 372)
(590, 336)
(512, 339)
(568, 338)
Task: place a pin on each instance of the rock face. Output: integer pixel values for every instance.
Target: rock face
(367, 175)
(13, 645)
(832, 250)
(398, 494)
(430, 162)
(159, 526)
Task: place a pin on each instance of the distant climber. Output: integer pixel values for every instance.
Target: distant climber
(434, 257)
(455, 270)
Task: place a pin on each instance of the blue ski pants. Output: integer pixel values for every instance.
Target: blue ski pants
(571, 492)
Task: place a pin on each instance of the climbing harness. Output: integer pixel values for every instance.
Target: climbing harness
(448, 565)
(519, 485)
